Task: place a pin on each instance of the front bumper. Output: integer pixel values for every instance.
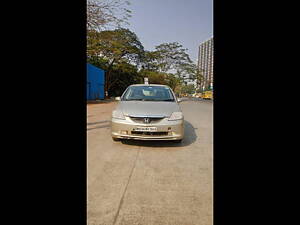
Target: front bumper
(166, 130)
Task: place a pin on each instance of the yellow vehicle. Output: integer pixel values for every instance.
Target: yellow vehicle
(207, 95)
(198, 95)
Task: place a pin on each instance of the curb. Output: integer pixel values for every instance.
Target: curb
(99, 101)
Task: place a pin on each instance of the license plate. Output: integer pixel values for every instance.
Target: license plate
(146, 129)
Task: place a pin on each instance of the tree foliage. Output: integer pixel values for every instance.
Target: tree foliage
(154, 77)
(120, 53)
(199, 77)
(114, 46)
(123, 74)
(170, 56)
(102, 14)
(188, 89)
(175, 83)
(187, 71)
(149, 61)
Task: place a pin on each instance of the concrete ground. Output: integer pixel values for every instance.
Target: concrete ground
(150, 183)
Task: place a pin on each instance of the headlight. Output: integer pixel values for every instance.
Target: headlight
(118, 115)
(176, 116)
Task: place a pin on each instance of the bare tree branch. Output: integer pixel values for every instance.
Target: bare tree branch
(102, 14)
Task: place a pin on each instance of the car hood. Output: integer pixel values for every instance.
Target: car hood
(140, 108)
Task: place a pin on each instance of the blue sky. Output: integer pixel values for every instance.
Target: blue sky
(188, 22)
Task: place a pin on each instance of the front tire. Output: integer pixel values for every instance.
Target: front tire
(115, 139)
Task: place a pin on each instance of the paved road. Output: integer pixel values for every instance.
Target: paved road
(150, 183)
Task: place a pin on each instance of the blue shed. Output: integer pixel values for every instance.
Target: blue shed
(95, 82)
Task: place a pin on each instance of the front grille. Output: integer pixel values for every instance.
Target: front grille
(149, 133)
(142, 120)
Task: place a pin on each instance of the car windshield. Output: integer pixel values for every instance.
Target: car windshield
(148, 93)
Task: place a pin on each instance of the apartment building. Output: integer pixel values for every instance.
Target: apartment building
(205, 63)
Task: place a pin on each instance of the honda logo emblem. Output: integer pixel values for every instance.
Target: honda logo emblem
(146, 120)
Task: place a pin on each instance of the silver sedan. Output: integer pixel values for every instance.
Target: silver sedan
(147, 112)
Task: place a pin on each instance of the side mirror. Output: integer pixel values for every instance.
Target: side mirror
(179, 100)
(118, 98)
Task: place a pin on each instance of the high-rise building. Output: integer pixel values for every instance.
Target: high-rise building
(205, 63)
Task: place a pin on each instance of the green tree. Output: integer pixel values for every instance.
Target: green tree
(114, 46)
(187, 71)
(174, 83)
(149, 61)
(123, 74)
(188, 89)
(171, 56)
(98, 62)
(154, 77)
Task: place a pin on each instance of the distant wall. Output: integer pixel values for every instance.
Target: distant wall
(95, 82)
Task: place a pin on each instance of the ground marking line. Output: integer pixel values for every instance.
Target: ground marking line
(122, 198)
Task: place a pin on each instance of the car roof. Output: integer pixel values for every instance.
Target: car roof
(161, 85)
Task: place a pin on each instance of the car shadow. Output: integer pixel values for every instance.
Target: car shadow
(189, 138)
